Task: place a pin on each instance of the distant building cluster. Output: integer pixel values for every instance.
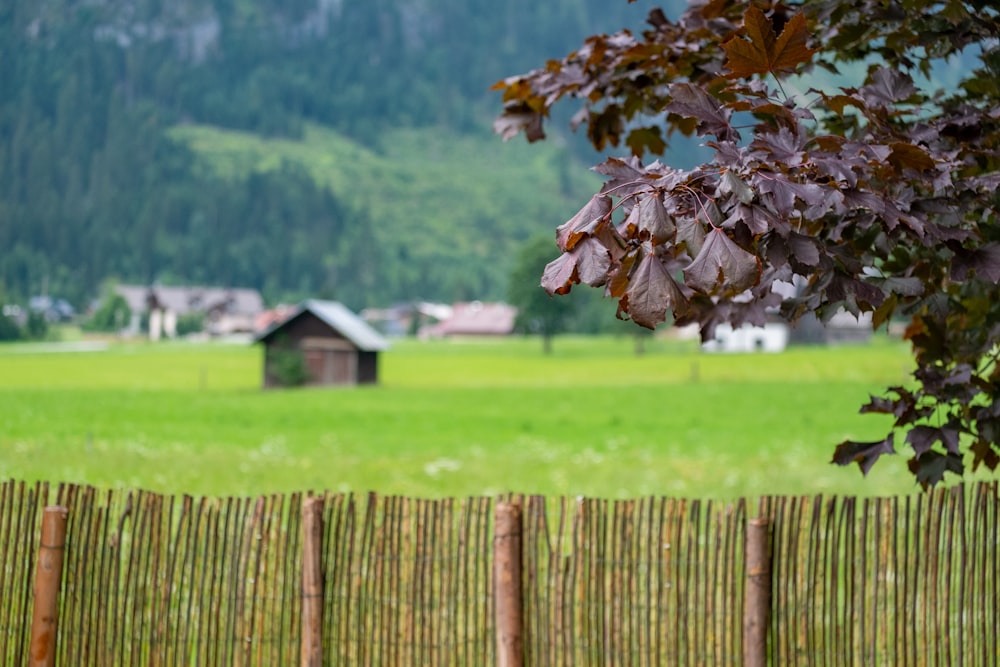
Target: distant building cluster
(776, 336)
(165, 312)
(320, 343)
(156, 311)
(51, 309)
(226, 311)
(438, 320)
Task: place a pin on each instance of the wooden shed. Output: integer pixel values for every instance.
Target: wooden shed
(321, 343)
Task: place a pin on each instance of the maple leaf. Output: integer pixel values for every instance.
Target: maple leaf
(722, 261)
(763, 52)
(803, 248)
(640, 139)
(884, 312)
(508, 125)
(929, 468)
(784, 192)
(784, 146)
(588, 262)
(730, 183)
(692, 101)
(865, 454)
(651, 292)
(625, 176)
(922, 438)
(901, 285)
(908, 156)
(691, 233)
(620, 275)
(583, 223)
(983, 261)
(856, 294)
(757, 219)
(984, 454)
(606, 126)
(592, 262)
(560, 275)
(887, 87)
(649, 219)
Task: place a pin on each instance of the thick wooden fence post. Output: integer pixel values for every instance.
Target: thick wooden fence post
(48, 575)
(312, 583)
(757, 598)
(507, 585)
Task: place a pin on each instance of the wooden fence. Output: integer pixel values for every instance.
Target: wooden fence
(148, 579)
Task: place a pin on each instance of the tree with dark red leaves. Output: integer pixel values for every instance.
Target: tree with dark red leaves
(876, 197)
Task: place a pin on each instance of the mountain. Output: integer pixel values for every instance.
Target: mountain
(301, 147)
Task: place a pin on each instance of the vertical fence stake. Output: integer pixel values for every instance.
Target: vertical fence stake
(507, 585)
(757, 599)
(48, 575)
(312, 582)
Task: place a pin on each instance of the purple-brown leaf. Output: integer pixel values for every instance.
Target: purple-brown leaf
(730, 183)
(692, 233)
(651, 292)
(691, 101)
(784, 192)
(649, 218)
(583, 223)
(865, 454)
(887, 87)
(908, 156)
(560, 275)
(508, 125)
(983, 261)
(930, 467)
(922, 438)
(592, 262)
(625, 176)
(762, 51)
(723, 262)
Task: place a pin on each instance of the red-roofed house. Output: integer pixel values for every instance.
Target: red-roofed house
(475, 318)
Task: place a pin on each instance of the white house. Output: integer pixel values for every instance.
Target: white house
(772, 337)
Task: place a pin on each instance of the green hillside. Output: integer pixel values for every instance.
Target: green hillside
(302, 148)
(446, 211)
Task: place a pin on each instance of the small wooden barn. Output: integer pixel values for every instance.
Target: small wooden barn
(321, 343)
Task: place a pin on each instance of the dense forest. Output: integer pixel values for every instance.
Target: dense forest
(143, 140)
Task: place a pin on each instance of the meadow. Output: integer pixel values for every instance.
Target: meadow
(453, 419)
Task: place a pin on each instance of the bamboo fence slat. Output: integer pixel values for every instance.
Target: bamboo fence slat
(161, 580)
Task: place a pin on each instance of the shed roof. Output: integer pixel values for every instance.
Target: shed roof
(338, 318)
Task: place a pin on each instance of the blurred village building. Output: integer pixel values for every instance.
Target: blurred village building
(406, 319)
(226, 310)
(777, 333)
(472, 319)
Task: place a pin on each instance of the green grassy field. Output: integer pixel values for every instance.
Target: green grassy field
(452, 419)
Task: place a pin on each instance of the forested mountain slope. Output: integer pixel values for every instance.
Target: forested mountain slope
(302, 147)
